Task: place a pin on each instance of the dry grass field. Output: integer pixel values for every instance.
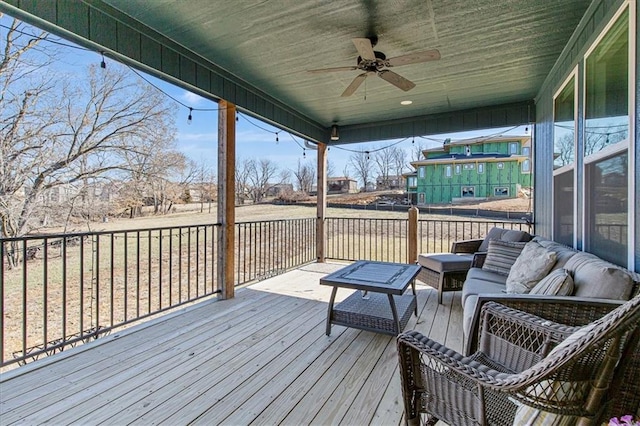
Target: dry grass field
(112, 278)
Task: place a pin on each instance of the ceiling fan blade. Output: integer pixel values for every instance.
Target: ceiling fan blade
(323, 70)
(414, 58)
(365, 49)
(351, 88)
(397, 80)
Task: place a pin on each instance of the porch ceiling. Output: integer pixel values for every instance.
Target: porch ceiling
(493, 53)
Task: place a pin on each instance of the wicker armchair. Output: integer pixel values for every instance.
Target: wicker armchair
(516, 364)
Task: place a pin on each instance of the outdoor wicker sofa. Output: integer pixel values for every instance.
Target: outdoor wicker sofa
(526, 367)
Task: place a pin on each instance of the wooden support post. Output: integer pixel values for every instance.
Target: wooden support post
(412, 238)
(321, 232)
(226, 197)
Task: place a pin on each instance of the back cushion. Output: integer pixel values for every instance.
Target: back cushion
(501, 256)
(511, 235)
(594, 277)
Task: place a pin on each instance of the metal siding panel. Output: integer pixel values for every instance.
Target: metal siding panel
(102, 28)
(170, 62)
(188, 71)
(150, 52)
(203, 78)
(47, 10)
(128, 41)
(74, 17)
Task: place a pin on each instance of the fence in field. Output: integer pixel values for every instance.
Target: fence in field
(387, 240)
(57, 291)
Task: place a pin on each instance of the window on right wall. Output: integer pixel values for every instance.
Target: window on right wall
(606, 144)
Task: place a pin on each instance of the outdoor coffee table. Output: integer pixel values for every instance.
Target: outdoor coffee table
(381, 304)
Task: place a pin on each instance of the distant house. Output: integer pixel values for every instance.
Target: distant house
(278, 188)
(341, 185)
(390, 182)
(471, 169)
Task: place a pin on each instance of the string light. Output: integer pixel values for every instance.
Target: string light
(367, 152)
(190, 118)
(413, 140)
(103, 64)
(304, 153)
(277, 140)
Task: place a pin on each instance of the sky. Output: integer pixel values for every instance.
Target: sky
(254, 139)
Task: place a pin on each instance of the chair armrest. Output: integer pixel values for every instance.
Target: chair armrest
(567, 310)
(478, 259)
(466, 246)
(517, 339)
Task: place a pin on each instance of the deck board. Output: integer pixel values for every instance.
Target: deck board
(260, 358)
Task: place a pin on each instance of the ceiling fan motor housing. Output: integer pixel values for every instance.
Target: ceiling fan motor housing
(376, 65)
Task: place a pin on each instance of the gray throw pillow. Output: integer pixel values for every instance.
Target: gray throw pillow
(501, 255)
(557, 283)
(533, 264)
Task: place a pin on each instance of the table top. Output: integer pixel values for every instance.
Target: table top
(379, 277)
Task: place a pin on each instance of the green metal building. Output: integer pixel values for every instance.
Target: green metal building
(472, 169)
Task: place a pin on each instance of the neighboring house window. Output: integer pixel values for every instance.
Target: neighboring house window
(526, 150)
(513, 148)
(468, 191)
(469, 166)
(501, 165)
(458, 169)
(413, 182)
(447, 171)
(501, 191)
(421, 198)
(421, 172)
(526, 166)
(480, 168)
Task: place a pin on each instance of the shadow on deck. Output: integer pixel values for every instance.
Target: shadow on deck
(262, 357)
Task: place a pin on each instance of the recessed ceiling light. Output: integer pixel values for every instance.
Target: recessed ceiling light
(406, 102)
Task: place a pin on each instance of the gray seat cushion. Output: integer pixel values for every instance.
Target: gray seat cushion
(475, 286)
(485, 275)
(444, 262)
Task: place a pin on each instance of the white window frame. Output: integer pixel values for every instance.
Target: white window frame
(448, 171)
(480, 168)
(522, 170)
(458, 169)
(469, 166)
(500, 165)
(513, 148)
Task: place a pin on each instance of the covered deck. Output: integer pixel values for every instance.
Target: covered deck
(259, 358)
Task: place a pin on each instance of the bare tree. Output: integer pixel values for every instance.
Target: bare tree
(261, 174)
(416, 151)
(305, 176)
(361, 164)
(384, 160)
(331, 170)
(399, 160)
(60, 133)
(564, 150)
(243, 169)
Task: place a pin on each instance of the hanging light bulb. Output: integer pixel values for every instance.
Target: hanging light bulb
(367, 152)
(304, 153)
(237, 116)
(103, 64)
(277, 140)
(413, 140)
(190, 117)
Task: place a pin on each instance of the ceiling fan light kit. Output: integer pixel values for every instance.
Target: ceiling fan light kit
(373, 62)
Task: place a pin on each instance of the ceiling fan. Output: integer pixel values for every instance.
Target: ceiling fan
(373, 62)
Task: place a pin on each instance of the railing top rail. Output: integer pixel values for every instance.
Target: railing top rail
(93, 233)
(274, 220)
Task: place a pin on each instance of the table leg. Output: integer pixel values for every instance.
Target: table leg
(413, 288)
(394, 312)
(330, 309)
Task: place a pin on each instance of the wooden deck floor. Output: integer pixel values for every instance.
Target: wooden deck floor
(260, 358)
